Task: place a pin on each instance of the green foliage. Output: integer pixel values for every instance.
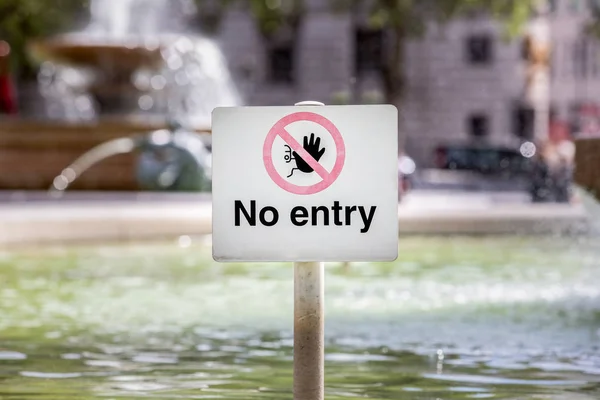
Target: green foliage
(269, 15)
(404, 18)
(411, 16)
(593, 27)
(24, 20)
(272, 14)
(514, 13)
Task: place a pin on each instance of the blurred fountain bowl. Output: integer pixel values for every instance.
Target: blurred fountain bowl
(135, 57)
(177, 75)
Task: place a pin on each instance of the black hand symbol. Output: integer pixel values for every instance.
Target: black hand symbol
(312, 148)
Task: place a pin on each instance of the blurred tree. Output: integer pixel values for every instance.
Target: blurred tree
(401, 19)
(270, 15)
(594, 25)
(24, 20)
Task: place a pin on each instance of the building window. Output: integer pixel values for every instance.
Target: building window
(369, 50)
(554, 61)
(556, 67)
(575, 6)
(580, 58)
(523, 122)
(281, 64)
(478, 125)
(594, 57)
(525, 48)
(479, 49)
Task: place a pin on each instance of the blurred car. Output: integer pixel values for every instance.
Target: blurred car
(498, 160)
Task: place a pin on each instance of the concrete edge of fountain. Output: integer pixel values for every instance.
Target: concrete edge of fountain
(141, 218)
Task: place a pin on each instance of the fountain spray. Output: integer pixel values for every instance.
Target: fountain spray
(173, 159)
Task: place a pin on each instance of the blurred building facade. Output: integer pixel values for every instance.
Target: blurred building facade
(465, 81)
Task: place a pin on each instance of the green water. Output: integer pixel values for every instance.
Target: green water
(453, 318)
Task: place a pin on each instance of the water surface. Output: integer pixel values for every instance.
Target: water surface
(453, 318)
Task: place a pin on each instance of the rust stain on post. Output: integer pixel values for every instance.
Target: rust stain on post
(308, 331)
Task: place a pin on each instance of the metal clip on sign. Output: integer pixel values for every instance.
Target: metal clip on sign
(309, 324)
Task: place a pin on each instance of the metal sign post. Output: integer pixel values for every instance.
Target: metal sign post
(309, 322)
(309, 325)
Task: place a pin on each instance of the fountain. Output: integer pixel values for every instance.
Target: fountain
(132, 59)
(130, 70)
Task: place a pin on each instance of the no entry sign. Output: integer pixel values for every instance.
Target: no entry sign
(305, 183)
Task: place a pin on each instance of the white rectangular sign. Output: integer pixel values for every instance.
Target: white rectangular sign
(305, 183)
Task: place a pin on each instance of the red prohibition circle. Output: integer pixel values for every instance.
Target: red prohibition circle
(327, 178)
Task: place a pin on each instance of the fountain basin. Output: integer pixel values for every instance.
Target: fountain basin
(35, 151)
(453, 318)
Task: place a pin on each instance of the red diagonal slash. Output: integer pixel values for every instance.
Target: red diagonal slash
(310, 160)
